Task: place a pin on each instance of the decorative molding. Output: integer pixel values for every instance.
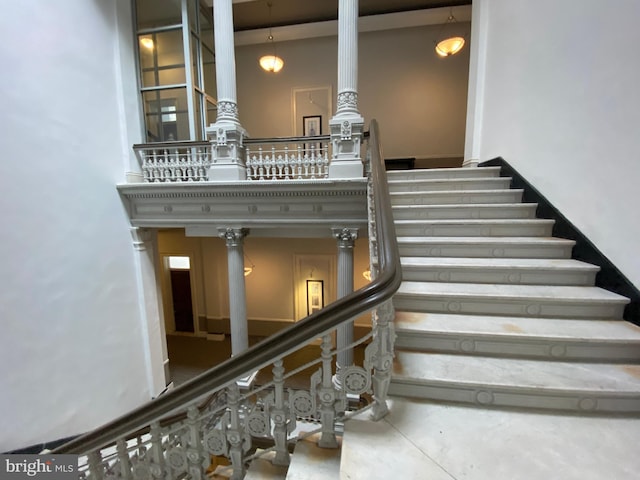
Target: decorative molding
(233, 236)
(347, 101)
(227, 110)
(346, 237)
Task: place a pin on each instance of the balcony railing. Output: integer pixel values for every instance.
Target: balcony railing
(183, 432)
(291, 158)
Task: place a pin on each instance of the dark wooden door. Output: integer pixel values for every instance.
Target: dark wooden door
(182, 307)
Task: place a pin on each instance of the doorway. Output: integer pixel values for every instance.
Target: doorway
(179, 301)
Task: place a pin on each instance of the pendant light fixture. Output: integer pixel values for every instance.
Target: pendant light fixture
(271, 63)
(451, 45)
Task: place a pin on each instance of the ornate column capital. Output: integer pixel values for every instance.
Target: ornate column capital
(233, 236)
(346, 237)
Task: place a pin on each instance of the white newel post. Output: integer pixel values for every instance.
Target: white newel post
(347, 124)
(151, 314)
(234, 238)
(346, 238)
(226, 135)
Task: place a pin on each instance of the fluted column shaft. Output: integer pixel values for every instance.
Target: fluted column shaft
(346, 238)
(347, 124)
(225, 60)
(347, 57)
(234, 238)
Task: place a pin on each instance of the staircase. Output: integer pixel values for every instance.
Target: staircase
(492, 312)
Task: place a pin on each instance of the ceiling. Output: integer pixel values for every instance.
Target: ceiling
(254, 14)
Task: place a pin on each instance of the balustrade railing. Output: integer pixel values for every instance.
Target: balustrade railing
(179, 435)
(174, 161)
(292, 158)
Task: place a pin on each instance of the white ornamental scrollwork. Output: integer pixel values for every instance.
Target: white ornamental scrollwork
(234, 236)
(228, 109)
(221, 136)
(177, 458)
(302, 403)
(355, 380)
(216, 442)
(258, 424)
(141, 470)
(347, 101)
(345, 130)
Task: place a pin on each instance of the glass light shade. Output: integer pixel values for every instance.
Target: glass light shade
(146, 42)
(271, 63)
(367, 275)
(247, 271)
(449, 46)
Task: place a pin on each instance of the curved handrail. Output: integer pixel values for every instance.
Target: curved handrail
(281, 343)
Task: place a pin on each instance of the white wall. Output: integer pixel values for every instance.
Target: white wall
(418, 98)
(71, 344)
(562, 105)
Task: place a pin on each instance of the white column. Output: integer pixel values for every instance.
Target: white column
(226, 135)
(347, 124)
(346, 238)
(234, 238)
(475, 95)
(151, 315)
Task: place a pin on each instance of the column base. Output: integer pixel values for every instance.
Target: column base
(227, 173)
(346, 139)
(227, 152)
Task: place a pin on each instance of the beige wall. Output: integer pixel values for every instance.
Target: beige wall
(418, 98)
(270, 287)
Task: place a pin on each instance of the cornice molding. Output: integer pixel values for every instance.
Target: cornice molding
(269, 209)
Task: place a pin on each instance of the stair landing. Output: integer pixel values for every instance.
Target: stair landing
(427, 440)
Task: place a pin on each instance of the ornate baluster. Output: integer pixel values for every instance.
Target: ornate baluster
(283, 423)
(272, 164)
(298, 164)
(239, 443)
(325, 172)
(95, 465)
(158, 466)
(379, 354)
(284, 169)
(260, 164)
(195, 452)
(123, 459)
(330, 399)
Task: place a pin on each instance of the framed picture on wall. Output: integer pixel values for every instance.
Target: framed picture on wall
(312, 126)
(315, 296)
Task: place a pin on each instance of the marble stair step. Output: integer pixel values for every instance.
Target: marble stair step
(262, 468)
(453, 212)
(551, 338)
(515, 271)
(443, 173)
(449, 197)
(489, 247)
(498, 183)
(368, 448)
(474, 228)
(310, 462)
(510, 382)
(516, 300)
